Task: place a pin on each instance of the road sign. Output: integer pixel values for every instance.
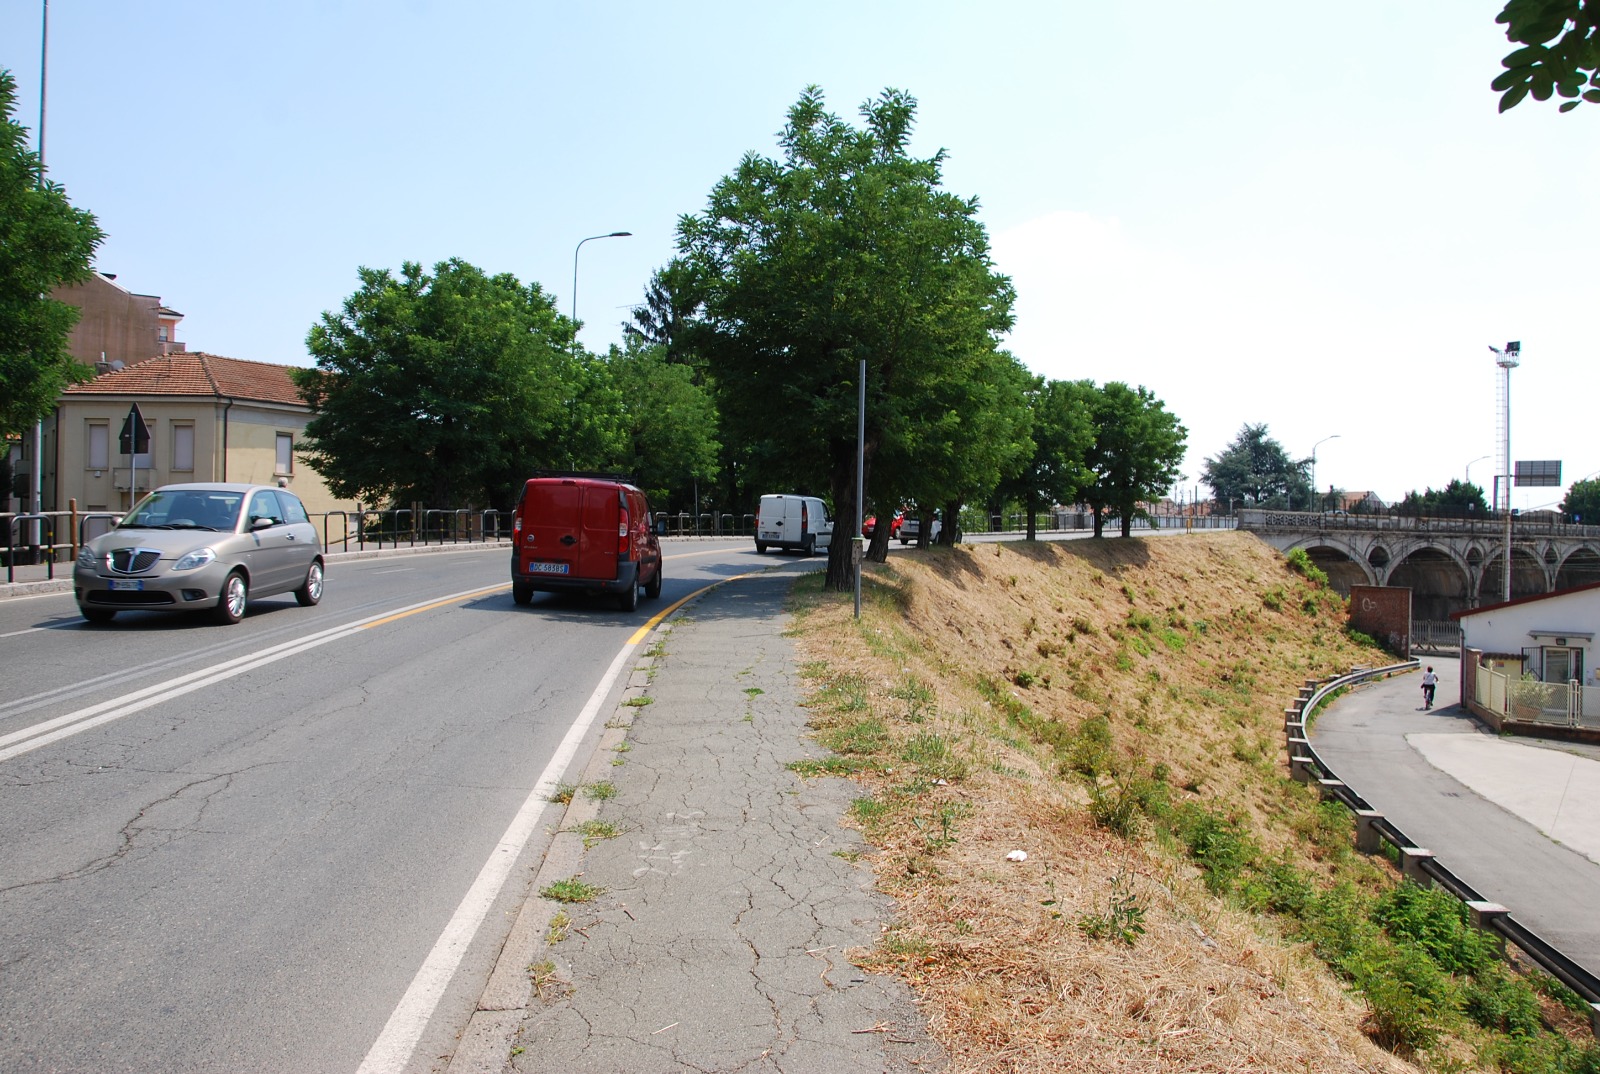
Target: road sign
(1539, 472)
(135, 435)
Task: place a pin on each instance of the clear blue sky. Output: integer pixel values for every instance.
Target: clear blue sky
(1304, 215)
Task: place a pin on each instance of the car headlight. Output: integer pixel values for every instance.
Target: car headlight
(86, 557)
(198, 558)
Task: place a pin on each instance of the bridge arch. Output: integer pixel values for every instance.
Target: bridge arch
(1529, 576)
(1340, 560)
(1439, 578)
(1580, 567)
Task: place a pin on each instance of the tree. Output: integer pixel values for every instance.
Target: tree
(1456, 500)
(845, 249)
(1255, 469)
(1582, 503)
(664, 316)
(44, 243)
(448, 389)
(1560, 52)
(1135, 455)
(1062, 434)
(668, 422)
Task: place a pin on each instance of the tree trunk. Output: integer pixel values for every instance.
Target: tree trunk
(1099, 521)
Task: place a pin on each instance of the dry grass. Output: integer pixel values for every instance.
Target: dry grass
(1185, 650)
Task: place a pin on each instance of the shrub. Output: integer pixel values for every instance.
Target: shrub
(1437, 923)
(1221, 846)
(1300, 562)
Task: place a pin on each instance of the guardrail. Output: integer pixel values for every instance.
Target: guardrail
(1419, 864)
(401, 525)
(46, 521)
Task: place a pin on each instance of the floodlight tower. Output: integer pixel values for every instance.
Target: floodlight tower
(1507, 360)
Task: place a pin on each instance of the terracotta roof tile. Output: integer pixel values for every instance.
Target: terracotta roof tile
(197, 373)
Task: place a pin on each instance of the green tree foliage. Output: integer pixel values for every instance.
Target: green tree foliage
(1582, 503)
(1560, 52)
(1135, 455)
(448, 389)
(668, 423)
(662, 319)
(1062, 433)
(960, 433)
(1456, 500)
(44, 243)
(1254, 469)
(845, 249)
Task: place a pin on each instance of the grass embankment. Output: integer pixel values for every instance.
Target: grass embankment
(1114, 710)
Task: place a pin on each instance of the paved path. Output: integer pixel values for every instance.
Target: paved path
(1516, 818)
(731, 899)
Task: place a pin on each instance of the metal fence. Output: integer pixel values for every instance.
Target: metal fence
(1544, 704)
(1435, 636)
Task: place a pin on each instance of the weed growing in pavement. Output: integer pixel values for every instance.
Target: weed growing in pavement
(543, 975)
(826, 766)
(639, 702)
(563, 793)
(594, 831)
(560, 925)
(600, 792)
(571, 890)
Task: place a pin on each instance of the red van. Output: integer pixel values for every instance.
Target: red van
(584, 534)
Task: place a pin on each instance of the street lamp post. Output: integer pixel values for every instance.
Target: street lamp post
(1480, 458)
(575, 249)
(1314, 448)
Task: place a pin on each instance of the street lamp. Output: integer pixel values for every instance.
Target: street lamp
(1314, 447)
(575, 249)
(1480, 458)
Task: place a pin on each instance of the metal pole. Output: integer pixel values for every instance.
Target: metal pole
(861, 481)
(35, 532)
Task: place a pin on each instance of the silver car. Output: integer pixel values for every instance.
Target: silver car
(208, 547)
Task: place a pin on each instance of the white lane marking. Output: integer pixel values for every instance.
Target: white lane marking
(41, 734)
(396, 570)
(392, 1050)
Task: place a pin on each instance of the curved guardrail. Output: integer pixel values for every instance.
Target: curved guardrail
(1416, 863)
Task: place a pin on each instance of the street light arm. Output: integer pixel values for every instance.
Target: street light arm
(575, 249)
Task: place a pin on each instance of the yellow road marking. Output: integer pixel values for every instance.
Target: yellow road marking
(436, 604)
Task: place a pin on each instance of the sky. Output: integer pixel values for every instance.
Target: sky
(1308, 216)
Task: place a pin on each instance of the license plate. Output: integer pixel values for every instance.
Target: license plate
(547, 568)
(134, 584)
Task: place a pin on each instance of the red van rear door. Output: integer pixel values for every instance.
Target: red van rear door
(597, 550)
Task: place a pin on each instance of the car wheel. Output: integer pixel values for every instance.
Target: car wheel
(628, 599)
(98, 615)
(811, 547)
(653, 590)
(235, 597)
(522, 592)
(760, 548)
(310, 592)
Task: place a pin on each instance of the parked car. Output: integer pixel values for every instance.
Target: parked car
(201, 547)
(584, 534)
(871, 524)
(800, 523)
(911, 528)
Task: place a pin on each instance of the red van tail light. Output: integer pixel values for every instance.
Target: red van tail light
(622, 524)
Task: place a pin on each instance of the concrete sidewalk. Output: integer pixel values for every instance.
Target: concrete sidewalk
(731, 897)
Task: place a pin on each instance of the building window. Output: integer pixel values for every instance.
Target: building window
(99, 445)
(183, 447)
(285, 453)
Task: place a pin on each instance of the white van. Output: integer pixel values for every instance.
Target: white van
(798, 522)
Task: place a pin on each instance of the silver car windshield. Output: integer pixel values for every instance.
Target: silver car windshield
(185, 509)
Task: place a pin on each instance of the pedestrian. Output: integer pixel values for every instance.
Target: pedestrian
(1429, 681)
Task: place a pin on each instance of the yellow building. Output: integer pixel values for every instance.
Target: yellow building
(210, 419)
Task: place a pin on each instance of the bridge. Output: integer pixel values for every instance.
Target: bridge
(1449, 564)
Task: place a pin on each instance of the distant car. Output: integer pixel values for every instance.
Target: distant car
(871, 523)
(911, 529)
(201, 547)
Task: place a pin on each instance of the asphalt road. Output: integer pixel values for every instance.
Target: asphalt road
(234, 848)
(1512, 816)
